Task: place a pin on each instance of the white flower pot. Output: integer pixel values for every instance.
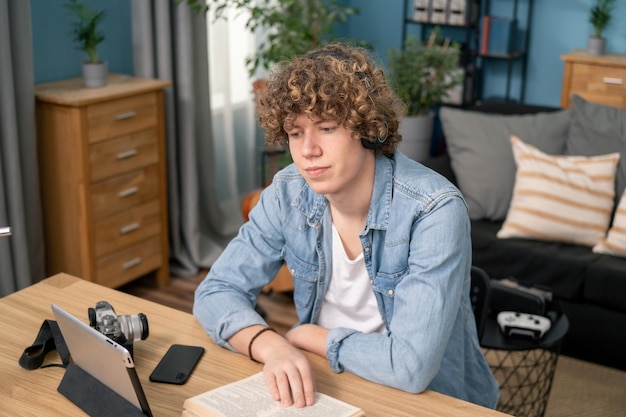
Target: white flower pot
(94, 75)
(417, 133)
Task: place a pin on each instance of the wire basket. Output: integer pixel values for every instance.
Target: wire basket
(525, 378)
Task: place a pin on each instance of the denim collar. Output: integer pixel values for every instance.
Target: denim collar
(313, 206)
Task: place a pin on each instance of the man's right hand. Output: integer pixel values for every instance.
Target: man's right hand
(288, 374)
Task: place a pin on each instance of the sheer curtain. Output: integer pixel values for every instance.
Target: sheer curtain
(237, 141)
(210, 136)
(22, 253)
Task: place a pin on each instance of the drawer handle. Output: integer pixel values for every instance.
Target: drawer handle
(127, 115)
(612, 80)
(132, 262)
(128, 191)
(127, 154)
(129, 228)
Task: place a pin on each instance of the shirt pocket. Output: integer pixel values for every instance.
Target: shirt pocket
(305, 277)
(385, 284)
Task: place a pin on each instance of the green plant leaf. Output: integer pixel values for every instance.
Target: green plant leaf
(294, 26)
(600, 16)
(422, 75)
(85, 32)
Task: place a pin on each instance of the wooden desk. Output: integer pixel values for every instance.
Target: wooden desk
(33, 393)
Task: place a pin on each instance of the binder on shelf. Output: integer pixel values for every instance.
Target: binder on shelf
(439, 11)
(457, 12)
(421, 10)
(501, 35)
(484, 35)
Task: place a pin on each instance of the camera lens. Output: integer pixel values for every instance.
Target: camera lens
(145, 331)
(135, 326)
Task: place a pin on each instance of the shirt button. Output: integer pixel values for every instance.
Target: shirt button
(390, 292)
(372, 281)
(367, 249)
(293, 271)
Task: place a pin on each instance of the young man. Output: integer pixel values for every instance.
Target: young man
(378, 245)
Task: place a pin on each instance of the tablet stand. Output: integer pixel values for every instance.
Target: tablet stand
(94, 397)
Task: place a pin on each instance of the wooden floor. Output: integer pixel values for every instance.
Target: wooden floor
(277, 307)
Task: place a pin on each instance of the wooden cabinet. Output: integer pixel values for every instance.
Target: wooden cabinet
(599, 79)
(103, 183)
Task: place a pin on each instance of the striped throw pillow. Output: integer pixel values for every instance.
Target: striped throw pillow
(561, 198)
(615, 241)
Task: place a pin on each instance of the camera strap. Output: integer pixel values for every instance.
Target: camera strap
(48, 339)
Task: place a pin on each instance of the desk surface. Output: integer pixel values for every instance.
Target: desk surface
(33, 393)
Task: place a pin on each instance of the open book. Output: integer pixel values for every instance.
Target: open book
(249, 397)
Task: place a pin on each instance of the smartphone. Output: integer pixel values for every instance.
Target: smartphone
(177, 364)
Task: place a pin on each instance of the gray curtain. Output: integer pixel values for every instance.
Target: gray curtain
(170, 43)
(22, 253)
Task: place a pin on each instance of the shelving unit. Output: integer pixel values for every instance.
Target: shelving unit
(518, 55)
(469, 43)
(472, 61)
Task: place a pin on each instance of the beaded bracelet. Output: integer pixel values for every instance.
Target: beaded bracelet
(263, 330)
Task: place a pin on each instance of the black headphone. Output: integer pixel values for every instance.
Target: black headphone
(369, 144)
(375, 144)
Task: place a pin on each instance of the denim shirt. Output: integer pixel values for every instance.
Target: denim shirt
(417, 249)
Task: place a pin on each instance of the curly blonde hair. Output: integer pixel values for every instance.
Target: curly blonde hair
(338, 83)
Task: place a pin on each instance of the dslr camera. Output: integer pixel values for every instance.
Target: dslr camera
(123, 329)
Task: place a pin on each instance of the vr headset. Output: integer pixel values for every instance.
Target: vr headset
(508, 294)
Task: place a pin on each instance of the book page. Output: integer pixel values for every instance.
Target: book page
(249, 398)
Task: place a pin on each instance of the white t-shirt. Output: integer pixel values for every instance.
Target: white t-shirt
(349, 301)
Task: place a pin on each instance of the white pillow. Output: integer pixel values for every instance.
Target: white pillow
(560, 198)
(615, 241)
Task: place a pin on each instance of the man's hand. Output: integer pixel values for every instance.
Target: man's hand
(288, 374)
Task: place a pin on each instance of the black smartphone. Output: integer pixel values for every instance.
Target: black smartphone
(177, 364)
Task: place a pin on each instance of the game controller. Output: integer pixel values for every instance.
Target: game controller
(523, 324)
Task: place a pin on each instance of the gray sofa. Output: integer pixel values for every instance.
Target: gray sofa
(588, 283)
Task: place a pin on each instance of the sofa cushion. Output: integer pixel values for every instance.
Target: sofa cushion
(615, 241)
(560, 266)
(573, 272)
(594, 334)
(481, 155)
(563, 198)
(597, 129)
(605, 283)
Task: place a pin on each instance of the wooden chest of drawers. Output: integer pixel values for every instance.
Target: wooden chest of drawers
(103, 184)
(599, 79)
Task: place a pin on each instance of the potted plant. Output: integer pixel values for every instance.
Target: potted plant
(293, 27)
(87, 37)
(422, 74)
(599, 17)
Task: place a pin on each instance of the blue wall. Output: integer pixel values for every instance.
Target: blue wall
(55, 55)
(557, 27)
